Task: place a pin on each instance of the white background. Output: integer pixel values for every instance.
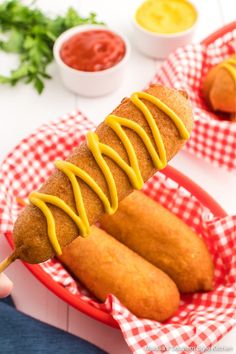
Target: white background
(22, 110)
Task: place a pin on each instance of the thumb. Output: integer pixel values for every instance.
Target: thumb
(6, 285)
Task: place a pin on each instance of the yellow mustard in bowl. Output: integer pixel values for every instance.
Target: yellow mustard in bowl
(166, 16)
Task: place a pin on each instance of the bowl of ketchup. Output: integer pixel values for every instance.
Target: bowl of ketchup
(91, 59)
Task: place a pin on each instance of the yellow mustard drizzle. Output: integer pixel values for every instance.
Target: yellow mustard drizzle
(99, 150)
(230, 66)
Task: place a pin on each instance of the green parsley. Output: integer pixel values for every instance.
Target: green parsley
(31, 34)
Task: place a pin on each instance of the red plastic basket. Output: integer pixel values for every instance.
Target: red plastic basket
(220, 32)
(98, 314)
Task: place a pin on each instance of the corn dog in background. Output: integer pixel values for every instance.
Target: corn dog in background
(105, 266)
(163, 239)
(219, 86)
(158, 121)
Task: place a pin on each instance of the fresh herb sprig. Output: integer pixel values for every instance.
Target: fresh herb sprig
(31, 34)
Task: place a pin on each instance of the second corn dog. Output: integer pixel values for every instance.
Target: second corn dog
(164, 240)
(105, 266)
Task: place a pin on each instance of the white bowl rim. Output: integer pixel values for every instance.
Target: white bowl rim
(167, 35)
(81, 28)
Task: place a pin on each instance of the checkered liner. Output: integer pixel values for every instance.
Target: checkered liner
(213, 138)
(202, 319)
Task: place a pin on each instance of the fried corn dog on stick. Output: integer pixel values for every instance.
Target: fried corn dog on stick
(105, 266)
(136, 140)
(164, 240)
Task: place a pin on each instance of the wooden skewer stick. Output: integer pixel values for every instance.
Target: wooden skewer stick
(7, 261)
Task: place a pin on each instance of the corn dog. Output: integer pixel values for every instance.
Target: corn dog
(105, 266)
(164, 240)
(137, 139)
(219, 86)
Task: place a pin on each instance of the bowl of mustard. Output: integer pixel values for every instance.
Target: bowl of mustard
(161, 26)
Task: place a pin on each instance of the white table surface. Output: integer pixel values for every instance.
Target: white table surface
(22, 110)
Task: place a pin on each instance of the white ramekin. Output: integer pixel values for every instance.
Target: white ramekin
(158, 45)
(90, 84)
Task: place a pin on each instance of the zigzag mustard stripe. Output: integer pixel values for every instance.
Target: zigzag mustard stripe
(99, 150)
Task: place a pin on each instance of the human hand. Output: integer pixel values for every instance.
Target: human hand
(5, 285)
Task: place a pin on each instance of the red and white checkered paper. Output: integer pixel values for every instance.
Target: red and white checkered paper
(202, 319)
(213, 138)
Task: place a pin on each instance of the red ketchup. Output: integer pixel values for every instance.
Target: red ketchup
(93, 50)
